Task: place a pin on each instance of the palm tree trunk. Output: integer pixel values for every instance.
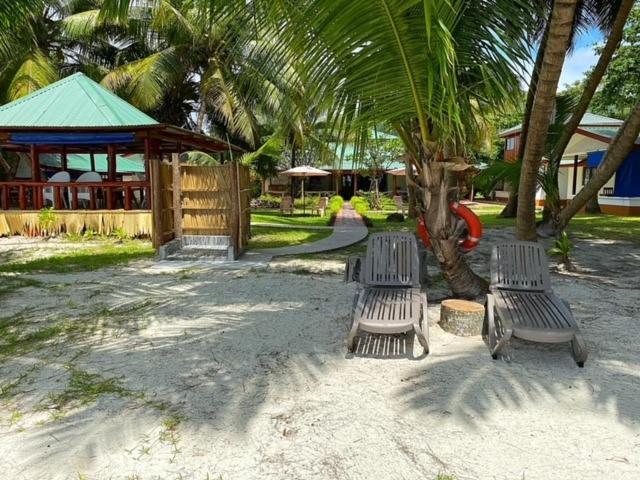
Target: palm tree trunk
(531, 95)
(510, 210)
(464, 283)
(593, 206)
(617, 152)
(593, 81)
(560, 27)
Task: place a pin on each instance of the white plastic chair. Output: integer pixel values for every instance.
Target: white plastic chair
(84, 194)
(62, 177)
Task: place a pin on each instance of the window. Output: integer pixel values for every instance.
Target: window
(511, 143)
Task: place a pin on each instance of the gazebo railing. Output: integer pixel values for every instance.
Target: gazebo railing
(65, 195)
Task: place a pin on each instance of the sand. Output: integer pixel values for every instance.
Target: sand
(253, 362)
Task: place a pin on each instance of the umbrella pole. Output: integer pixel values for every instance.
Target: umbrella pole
(303, 205)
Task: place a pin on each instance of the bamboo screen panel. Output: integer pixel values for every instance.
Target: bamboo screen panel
(206, 200)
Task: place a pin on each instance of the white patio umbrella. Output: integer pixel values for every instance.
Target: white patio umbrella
(303, 172)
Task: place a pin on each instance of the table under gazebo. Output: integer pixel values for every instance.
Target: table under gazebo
(77, 126)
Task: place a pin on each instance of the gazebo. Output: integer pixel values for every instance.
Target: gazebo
(75, 125)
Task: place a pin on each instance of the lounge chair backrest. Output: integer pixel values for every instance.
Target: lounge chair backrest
(392, 260)
(398, 200)
(287, 202)
(520, 266)
(89, 177)
(324, 201)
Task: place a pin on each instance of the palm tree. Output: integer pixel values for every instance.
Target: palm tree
(613, 40)
(197, 64)
(557, 44)
(428, 68)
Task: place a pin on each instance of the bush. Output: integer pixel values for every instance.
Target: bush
(266, 201)
(335, 204)
(395, 217)
(311, 201)
(360, 205)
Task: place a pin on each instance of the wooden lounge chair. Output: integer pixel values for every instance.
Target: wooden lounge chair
(322, 206)
(286, 205)
(522, 304)
(390, 299)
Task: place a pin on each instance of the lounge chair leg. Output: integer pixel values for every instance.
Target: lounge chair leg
(579, 350)
(497, 340)
(351, 339)
(422, 338)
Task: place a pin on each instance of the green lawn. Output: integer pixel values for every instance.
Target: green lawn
(274, 237)
(274, 216)
(92, 258)
(609, 227)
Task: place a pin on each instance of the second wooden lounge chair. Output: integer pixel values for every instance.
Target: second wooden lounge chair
(522, 304)
(390, 299)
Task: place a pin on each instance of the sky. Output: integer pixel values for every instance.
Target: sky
(581, 59)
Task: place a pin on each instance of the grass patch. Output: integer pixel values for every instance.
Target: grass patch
(85, 388)
(274, 216)
(86, 259)
(274, 237)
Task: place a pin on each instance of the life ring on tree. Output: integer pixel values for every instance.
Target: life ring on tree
(474, 227)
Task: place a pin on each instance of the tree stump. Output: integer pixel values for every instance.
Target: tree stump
(462, 317)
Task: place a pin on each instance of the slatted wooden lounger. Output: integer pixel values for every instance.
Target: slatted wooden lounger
(522, 304)
(390, 299)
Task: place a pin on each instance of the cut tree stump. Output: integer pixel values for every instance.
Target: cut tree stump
(462, 317)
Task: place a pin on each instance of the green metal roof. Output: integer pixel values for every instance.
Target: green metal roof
(608, 132)
(82, 162)
(74, 101)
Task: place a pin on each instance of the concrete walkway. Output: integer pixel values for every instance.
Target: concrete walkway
(347, 230)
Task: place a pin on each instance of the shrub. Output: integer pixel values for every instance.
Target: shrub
(360, 205)
(395, 217)
(335, 204)
(310, 201)
(266, 201)
(46, 220)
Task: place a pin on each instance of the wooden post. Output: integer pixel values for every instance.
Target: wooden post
(575, 174)
(394, 179)
(156, 202)
(63, 158)
(355, 183)
(235, 210)
(177, 195)
(111, 160)
(35, 164)
(92, 156)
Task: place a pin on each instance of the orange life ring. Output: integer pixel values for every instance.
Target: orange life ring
(474, 227)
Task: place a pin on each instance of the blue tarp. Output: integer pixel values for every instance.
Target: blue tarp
(627, 182)
(89, 138)
(628, 177)
(594, 159)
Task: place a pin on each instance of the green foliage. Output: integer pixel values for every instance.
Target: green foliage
(335, 205)
(620, 87)
(83, 259)
(310, 201)
(198, 158)
(395, 218)
(275, 237)
(562, 248)
(360, 205)
(120, 233)
(46, 220)
(267, 201)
